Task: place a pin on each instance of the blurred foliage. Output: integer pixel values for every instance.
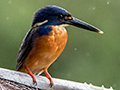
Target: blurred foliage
(88, 57)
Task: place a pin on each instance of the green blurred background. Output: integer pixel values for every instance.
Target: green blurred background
(88, 57)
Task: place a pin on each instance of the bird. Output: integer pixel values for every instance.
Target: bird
(46, 40)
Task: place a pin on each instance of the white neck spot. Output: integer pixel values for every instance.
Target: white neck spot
(40, 23)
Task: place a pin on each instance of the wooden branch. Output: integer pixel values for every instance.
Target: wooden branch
(13, 80)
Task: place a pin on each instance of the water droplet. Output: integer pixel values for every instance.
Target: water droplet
(9, 2)
(7, 18)
(108, 3)
(75, 49)
(93, 8)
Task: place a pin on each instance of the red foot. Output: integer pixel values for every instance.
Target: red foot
(31, 74)
(49, 77)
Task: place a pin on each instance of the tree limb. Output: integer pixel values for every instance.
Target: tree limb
(13, 80)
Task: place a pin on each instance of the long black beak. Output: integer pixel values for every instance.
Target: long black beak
(81, 24)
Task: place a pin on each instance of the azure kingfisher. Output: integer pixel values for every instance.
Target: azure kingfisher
(46, 40)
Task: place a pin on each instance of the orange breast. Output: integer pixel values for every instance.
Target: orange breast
(46, 50)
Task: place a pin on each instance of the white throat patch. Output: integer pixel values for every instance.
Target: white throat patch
(62, 26)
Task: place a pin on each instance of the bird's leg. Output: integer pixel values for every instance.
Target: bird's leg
(32, 75)
(49, 77)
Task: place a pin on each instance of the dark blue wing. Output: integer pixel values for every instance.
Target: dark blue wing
(26, 46)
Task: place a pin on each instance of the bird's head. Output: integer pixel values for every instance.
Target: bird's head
(53, 15)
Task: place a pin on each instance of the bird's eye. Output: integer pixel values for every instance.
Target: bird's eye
(60, 16)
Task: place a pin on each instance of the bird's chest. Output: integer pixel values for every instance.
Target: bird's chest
(46, 49)
(57, 38)
(51, 46)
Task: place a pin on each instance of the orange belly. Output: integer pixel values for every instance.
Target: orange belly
(46, 49)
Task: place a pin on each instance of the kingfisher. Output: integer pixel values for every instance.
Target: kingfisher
(46, 40)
